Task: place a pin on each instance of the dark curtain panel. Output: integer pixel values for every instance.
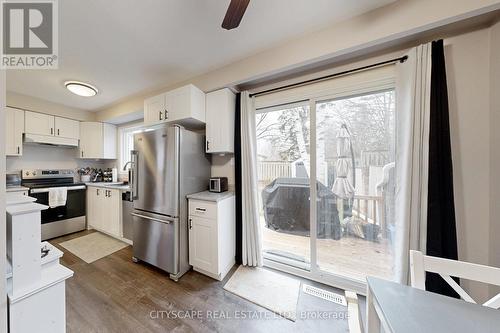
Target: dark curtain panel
(237, 176)
(441, 228)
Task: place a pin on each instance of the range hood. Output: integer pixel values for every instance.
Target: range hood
(49, 140)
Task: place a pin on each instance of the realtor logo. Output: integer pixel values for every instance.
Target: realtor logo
(29, 34)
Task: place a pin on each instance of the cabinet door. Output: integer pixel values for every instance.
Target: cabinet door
(94, 207)
(220, 107)
(38, 123)
(67, 128)
(112, 212)
(109, 141)
(91, 140)
(154, 109)
(203, 244)
(177, 104)
(14, 129)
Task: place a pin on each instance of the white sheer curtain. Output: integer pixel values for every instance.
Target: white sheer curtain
(251, 233)
(413, 82)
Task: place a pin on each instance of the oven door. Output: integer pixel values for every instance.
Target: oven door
(75, 204)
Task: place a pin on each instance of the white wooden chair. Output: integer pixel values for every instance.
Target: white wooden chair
(446, 268)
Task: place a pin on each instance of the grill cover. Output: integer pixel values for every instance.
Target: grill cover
(286, 208)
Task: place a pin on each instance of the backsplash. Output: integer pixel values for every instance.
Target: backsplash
(41, 157)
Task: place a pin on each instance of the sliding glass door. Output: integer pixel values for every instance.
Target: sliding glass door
(354, 163)
(283, 154)
(326, 179)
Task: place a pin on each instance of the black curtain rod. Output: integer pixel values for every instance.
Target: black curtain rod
(401, 59)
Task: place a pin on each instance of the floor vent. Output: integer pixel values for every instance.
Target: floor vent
(324, 294)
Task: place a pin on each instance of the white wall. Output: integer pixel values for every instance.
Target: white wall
(468, 70)
(223, 166)
(495, 149)
(39, 105)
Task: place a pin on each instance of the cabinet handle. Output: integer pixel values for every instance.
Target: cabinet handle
(200, 209)
(97, 191)
(190, 224)
(208, 145)
(18, 150)
(82, 153)
(160, 114)
(51, 131)
(109, 194)
(58, 132)
(166, 114)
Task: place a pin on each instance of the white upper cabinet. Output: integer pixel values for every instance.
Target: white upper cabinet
(67, 128)
(109, 141)
(14, 129)
(39, 123)
(220, 109)
(154, 109)
(185, 106)
(97, 140)
(47, 125)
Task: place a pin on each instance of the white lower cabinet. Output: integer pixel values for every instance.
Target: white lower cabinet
(212, 236)
(203, 240)
(104, 210)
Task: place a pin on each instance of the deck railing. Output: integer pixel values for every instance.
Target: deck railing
(370, 208)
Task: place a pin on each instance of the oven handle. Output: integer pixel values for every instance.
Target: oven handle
(46, 190)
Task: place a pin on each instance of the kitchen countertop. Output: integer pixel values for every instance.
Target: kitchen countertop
(19, 199)
(25, 208)
(17, 189)
(210, 196)
(115, 186)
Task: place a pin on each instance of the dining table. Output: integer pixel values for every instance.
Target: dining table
(394, 307)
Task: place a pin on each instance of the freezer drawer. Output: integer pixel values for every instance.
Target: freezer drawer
(155, 240)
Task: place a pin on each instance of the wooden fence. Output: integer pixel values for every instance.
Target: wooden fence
(270, 170)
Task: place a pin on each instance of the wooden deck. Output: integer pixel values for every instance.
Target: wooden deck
(350, 256)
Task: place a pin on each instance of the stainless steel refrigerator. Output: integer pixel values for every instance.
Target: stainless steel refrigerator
(167, 164)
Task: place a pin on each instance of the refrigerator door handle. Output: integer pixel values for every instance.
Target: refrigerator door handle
(166, 221)
(134, 157)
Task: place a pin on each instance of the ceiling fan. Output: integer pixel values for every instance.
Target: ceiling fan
(234, 14)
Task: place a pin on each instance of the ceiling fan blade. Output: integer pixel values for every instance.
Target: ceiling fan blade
(234, 14)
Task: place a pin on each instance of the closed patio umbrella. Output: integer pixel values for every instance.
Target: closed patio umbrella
(342, 187)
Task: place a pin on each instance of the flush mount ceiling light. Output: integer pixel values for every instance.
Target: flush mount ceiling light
(81, 88)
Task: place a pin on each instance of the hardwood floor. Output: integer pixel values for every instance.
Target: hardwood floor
(114, 294)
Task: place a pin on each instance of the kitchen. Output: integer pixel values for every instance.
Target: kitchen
(144, 202)
(31, 135)
(232, 166)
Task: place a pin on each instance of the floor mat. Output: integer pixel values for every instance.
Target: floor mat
(273, 291)
(93, 247)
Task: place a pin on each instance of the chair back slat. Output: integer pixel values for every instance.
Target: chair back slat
(446, 268)
(462, 269)
(463, 294)
(493, 302)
